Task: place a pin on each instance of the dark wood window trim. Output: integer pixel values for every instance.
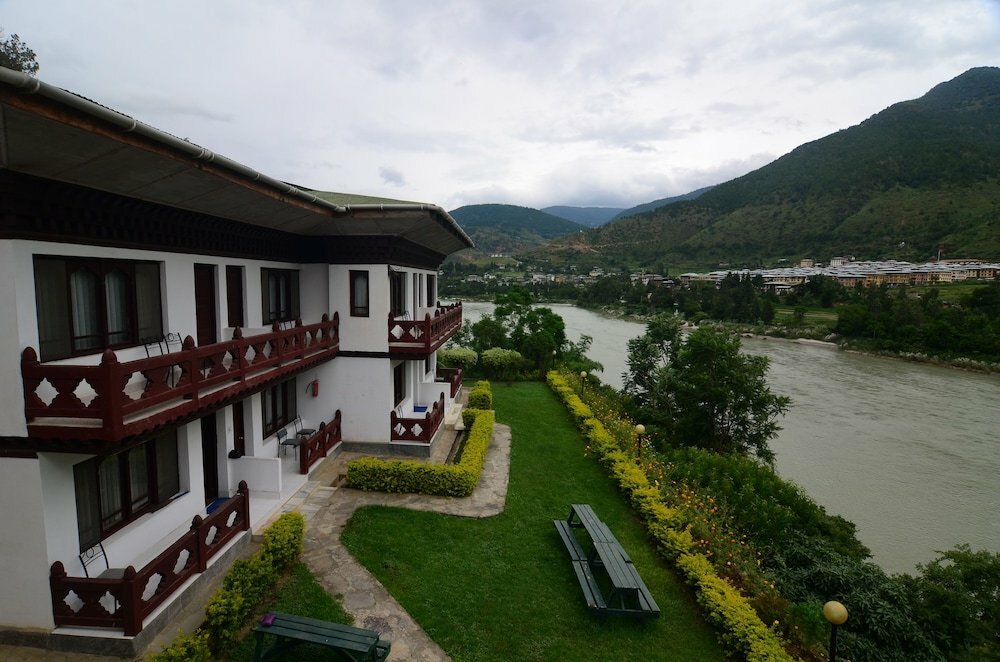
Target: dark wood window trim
(278, 405)
(114, 490)
(397, 293)
(398, 384)
(279, 295)
(430, 283)
(359, 293)
(87, 305)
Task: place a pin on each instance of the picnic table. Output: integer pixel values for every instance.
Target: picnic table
(351, 643)
(607, 576)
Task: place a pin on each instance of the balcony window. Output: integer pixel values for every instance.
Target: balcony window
(87, 305)
(431, 283)
(359, 294)
(397, 293)
(398, 384)
(279, 406)
(280, 295)
(112, 491)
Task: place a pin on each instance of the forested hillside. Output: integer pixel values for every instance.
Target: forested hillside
(918, 177)
(509, 229)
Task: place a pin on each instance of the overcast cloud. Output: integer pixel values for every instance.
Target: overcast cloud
(577, 102)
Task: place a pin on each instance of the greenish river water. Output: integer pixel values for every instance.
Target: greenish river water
(909, 452)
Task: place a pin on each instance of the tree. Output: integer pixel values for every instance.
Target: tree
(702, 391)
(15, 54)
(721, 396)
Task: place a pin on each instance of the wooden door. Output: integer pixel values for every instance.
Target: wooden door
(239, 434)
(204, 303)
(234, 295)
(210, 457)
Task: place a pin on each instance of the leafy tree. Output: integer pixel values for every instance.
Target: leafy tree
(702, 392)
(15, 54)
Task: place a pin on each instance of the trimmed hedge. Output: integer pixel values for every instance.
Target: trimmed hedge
(481, 396)
(244, 587)
(458, 357)
(741, 629)
(409, 476)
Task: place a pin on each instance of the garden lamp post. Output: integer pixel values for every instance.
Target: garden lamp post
(583, 381)
(836, 613)
(640, 430)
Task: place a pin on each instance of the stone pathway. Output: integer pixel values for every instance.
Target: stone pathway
(327, 510)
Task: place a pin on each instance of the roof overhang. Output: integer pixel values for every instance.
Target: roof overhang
(49, 132)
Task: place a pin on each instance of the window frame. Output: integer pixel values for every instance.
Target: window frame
(398, 384)
(397, 293)
(359, 308)
(286, 285)
(62, 321)
(118, 483)
(279, 397)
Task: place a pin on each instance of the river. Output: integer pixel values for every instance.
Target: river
(908, 452)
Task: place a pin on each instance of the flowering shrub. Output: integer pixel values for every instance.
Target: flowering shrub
(742, 630)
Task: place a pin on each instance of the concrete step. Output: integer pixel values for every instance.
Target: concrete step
(453, 419)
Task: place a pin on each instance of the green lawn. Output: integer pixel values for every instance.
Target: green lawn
(786, 314)
(301, 595)
(502, 588)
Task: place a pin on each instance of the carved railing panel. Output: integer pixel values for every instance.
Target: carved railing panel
(453, 376)
(128, 398)
(320, 444)
(426, 335)
(124, 603)
(419, 430)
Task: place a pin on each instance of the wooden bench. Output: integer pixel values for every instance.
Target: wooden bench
(607, 560)
(352, 643)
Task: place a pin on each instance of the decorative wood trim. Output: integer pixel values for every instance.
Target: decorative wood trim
(47, 210)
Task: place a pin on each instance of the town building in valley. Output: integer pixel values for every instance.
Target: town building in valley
(182, 340)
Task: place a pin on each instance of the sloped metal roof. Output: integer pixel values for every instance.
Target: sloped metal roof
(53, 133)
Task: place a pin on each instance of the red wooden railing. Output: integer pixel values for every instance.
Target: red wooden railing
(175, 385)
(453, 376)
(417, 429)
(124, 603)
(426, 335)
(317, 446)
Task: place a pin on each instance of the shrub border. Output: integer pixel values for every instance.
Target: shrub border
(409, 476)
(244, 588)
(741, 629)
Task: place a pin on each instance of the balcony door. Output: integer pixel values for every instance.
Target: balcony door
(204, 303)
(210, 457)
(234, 295)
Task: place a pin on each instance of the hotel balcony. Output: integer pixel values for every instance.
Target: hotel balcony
(419, 428)
(422, 337)
(124, 599)
(113, 400)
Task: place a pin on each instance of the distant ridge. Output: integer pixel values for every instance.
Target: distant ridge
(918, 177)
(662, 202)
(589, 216)
(510, 229)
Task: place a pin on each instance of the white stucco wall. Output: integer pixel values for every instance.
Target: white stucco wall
(11, 391)
(362, 334)
(362, 390)
(24, 570)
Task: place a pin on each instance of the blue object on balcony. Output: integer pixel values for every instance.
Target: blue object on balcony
(419, 409)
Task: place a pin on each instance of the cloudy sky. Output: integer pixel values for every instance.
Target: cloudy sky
(580, 102)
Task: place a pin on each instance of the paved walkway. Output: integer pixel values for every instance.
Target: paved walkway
(327, 510)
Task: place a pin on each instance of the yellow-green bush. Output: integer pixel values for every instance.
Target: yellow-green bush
(409, 476)
(243, 588)
(481, 396)
(741, 629)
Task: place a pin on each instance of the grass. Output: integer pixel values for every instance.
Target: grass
(300, 595)
(502, 588)
(824, 316)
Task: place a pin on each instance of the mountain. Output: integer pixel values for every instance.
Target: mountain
(920, 176)
(509, 229)
(589, 216)
(662, 202)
